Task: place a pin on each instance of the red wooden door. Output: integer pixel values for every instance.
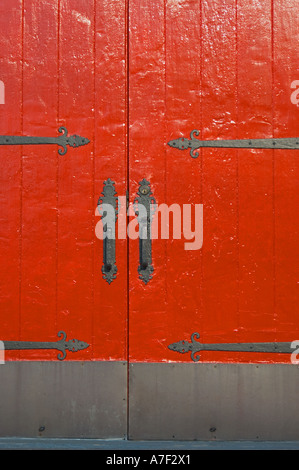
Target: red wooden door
(54, 66)
(227, 71)
(63, 63)
(130, 76)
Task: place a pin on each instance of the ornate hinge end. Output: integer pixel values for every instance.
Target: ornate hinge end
(182, 143)
(183, 347)
(73, 345)
(71, 140)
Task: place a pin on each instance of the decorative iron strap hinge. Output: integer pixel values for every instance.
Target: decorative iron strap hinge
(108, 209)
(62, 345)
(193, 143)
(195, 346)
(145, 207)
(62, 141)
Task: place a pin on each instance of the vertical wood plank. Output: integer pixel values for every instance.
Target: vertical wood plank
(256, 235)
(285, 168)
(147, 302)
(39, 174)
(110, 161)
(184, 175)
(11, 169)
(220, 173)
(75, 301)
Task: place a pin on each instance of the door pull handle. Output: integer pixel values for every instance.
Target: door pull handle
(108, 209)
(145, 207)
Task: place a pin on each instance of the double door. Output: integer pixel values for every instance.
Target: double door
(221, 260)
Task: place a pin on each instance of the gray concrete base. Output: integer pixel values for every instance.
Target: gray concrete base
(167, 402)
(214, 402)
(63, 399)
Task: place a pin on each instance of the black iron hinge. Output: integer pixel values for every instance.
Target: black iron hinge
(195, 347)
(193, 144)
(62, 345)
(62, 141)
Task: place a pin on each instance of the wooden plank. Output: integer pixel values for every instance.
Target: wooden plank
(39, 176)
(256, 235)
(75, 205)
(285, 168)
(11, 169)
(110, 161)
(220, 174)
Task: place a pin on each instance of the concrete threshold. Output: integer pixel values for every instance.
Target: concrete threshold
(16, 443)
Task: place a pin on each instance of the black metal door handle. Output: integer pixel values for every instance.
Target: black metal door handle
(145, 206)
(108, 209)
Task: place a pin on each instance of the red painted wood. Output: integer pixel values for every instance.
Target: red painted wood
(131, 76)
(215, 67)
(11, 168)
(285, 169)
(62, 66)
(147, 136)
(184, 181)
(75, 183)
(109, 330)
(255, 174)
(39, 177)
(219, 172)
